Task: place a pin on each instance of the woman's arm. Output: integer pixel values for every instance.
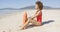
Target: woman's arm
(36, 14)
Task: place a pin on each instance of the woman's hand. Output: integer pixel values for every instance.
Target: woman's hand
(30, 18)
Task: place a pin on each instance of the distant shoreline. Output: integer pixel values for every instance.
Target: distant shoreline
(8, 14)
(27, 9)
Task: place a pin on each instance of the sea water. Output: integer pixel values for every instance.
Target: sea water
(6, 12)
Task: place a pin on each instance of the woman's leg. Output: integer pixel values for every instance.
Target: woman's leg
(34, 22)
(24, 17)
(31, 21)
(24, 25)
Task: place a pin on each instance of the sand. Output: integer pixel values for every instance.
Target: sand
(51, 22)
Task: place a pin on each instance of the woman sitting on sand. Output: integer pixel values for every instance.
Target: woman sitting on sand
(38, 16)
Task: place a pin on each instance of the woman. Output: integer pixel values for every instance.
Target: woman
(38, 16)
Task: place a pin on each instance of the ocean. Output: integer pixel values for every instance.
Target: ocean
(6, 12)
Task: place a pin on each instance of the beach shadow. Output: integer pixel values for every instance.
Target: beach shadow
(47, 22)
(43, 23)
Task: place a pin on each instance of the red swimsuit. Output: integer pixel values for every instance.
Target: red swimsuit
(39, 17)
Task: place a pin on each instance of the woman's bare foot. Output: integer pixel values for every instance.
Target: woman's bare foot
(22, 28)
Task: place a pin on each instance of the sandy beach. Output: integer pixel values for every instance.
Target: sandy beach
(51, 22)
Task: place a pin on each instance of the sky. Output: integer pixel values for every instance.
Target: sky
(25, 3)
